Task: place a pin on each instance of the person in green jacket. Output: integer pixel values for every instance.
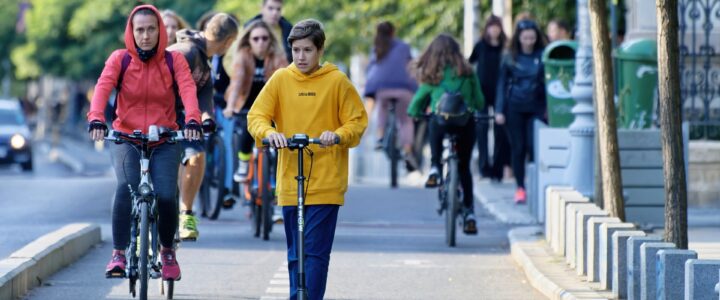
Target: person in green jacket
(442, 68)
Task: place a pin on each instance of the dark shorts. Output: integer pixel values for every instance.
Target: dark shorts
(190, 149)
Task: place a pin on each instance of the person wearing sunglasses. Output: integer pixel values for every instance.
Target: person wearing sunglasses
(256, 58)
(520, 98)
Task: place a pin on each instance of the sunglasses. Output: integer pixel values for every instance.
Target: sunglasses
(526, 24)
(264, 38)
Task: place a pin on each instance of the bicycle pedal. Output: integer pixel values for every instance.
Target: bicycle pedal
(115, 274)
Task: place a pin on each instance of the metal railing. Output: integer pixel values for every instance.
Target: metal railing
(700, 66)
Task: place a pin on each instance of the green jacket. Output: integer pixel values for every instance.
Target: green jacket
(470, 90)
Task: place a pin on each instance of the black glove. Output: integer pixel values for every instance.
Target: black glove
(96, 124)
(208, 126)
(193, 125)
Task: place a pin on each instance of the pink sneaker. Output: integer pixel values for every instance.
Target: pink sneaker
(520, 196)
(170, 266)
(116, 267)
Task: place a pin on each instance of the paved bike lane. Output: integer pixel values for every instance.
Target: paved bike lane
(389, 245)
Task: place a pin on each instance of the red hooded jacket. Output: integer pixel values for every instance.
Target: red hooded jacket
(146, 96)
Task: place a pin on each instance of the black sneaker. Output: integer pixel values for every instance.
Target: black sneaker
(434, 179)
(470, 224)
(379, 145)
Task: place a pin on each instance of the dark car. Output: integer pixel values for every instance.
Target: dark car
(14, 135)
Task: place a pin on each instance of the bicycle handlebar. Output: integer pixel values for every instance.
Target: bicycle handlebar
(154, 135)
(300, 140)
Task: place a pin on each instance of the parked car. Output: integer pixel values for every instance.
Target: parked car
(15, 139)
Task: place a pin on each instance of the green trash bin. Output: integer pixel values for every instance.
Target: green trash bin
(559, 60)
(637, 83)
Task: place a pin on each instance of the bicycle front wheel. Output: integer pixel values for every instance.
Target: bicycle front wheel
(144, 267)
(213, 187)
(266, 196)
(452, 203)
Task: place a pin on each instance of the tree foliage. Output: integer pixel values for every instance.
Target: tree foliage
(72, 38)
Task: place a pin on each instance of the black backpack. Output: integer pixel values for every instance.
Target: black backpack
(452, 110)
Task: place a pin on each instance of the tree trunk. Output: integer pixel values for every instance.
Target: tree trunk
(671, 124)
(607, 129)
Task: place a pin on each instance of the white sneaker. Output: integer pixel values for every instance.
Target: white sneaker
(242, 171)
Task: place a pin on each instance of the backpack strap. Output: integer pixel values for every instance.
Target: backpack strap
(125, 63)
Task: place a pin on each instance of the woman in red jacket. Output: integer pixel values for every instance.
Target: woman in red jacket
(145, 97)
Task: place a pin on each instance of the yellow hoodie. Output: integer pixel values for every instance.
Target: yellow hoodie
(310, 104)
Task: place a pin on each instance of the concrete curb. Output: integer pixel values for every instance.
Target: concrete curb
(29, 266)
(526, 247)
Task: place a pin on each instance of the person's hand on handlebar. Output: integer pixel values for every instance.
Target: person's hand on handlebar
(193, 131)
(97, 130)
(328, 138)
(500, 119)
(277, 140)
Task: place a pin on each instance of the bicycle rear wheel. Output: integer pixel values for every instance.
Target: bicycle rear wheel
(452, 203)
(143, 266)
(391, 148)
(212, 191)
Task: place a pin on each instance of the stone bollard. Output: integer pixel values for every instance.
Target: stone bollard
(648, 268)
(593, 246)
(671, 273)
(552, 198)
(701, 277)
(582, 238)
(620, 262)
(606, 259)
(634, 263)
(566, 198)
(572, 227)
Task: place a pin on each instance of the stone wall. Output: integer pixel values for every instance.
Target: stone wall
(704, 174)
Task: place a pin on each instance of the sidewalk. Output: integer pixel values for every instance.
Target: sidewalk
(546, 271)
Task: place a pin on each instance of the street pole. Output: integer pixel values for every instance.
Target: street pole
(676, 227)
(579, 173)
(470, 19)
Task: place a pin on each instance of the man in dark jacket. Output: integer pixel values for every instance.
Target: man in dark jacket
(197, 47)
(271, 14)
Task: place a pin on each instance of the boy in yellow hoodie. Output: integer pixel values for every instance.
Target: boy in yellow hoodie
(317, 100)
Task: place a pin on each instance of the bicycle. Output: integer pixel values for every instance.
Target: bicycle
(450, 193)
(212, 190)
(263, 169)
(301, 142)
(143, 264)
(389, 142)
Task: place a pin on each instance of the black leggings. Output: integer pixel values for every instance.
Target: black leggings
(164, 163)
(245, 139)
(466, 141)
(519, 127)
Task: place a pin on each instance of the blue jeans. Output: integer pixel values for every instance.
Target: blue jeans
(164, 162)
(320, 221)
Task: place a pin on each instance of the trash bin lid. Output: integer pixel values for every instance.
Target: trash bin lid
(560, 52)
(638, 49)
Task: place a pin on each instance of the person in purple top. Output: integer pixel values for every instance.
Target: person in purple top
(388, 78)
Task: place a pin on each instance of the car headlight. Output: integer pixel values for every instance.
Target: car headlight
(17, 141)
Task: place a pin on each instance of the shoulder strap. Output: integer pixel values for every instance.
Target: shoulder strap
(125, 63)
